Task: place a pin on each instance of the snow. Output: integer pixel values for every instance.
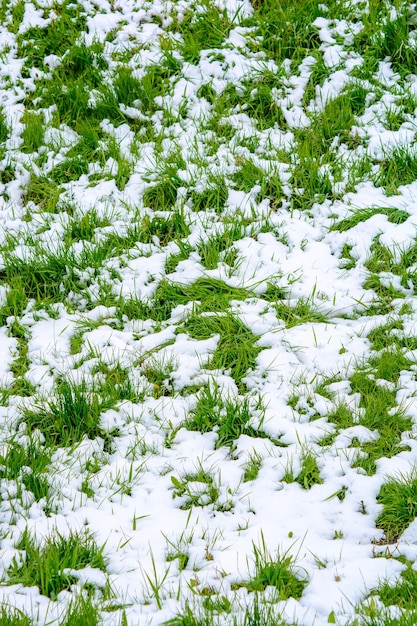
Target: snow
(331, 540)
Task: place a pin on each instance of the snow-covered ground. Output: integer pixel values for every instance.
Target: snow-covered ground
(181, 519)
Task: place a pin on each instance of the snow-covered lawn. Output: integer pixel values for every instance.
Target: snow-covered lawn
(208, 312)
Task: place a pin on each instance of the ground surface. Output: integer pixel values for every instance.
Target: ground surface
(208, 340)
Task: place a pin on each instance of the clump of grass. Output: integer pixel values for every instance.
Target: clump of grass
(372, 614)
(304, 311)
(181, 556)
(142, 93)
(44, 565)
(374, 398)
(196, 489)
(189, 618)
(33, 132)
(82, 610)
(70, 170)
(64, 420)
(318, 73)
(252, 467)
(383, 303)
(10, 616)
(83, 62)
(366, 41)
(284, 30)
(236, 350)
(163, 195)
(228, 417)
(381, 258)
(213, 197)
(392, 40)
(259, 103)
(397, 497)
(209, 295)
(389, 364)
(166, 229)
(43, 191)
(310, 473)
(248, 175)
(17, 460)
(4, 131)
(278, 572)
(21, 385)
(158, 372)
(403, 593)
(399, 168)
(395, 216)
(55, 38)
(388, 443)
(213, 608)
(202, 30)
(174, 259)
(274, 293)
(51, 276)
(382, 336)
(378, 402)
(385, 336)
(258, 614)
(39, 278)
(219, 247)
(115, 385)
(337, 118)
(311, 184)
(84, 228)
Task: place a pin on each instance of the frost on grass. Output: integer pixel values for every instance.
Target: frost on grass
(208, 327)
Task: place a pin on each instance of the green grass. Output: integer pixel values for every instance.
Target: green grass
(212, 198)
(310, 473)
(393, 41)
(13, 617)
(236, 350)
(395, 216)
(259, 104)
(64, 420)
(219, 247)
(201, 31)
(158, 373)
(121, 157)
(399, 507)
(15, 463)
(211, 614)
(284, 30)
(397, 168)
(4, 131)
(228, 417)
(56, 38)
(401, 594)
(303, 311)
(380, 411)
(41, 278)
(130, 90)
(209, 295)
(83, 610)
(383, 259)
(43, 566)
(33, 132)
(195, 489)
(252, 467)
(277, 572)
(373, 616)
